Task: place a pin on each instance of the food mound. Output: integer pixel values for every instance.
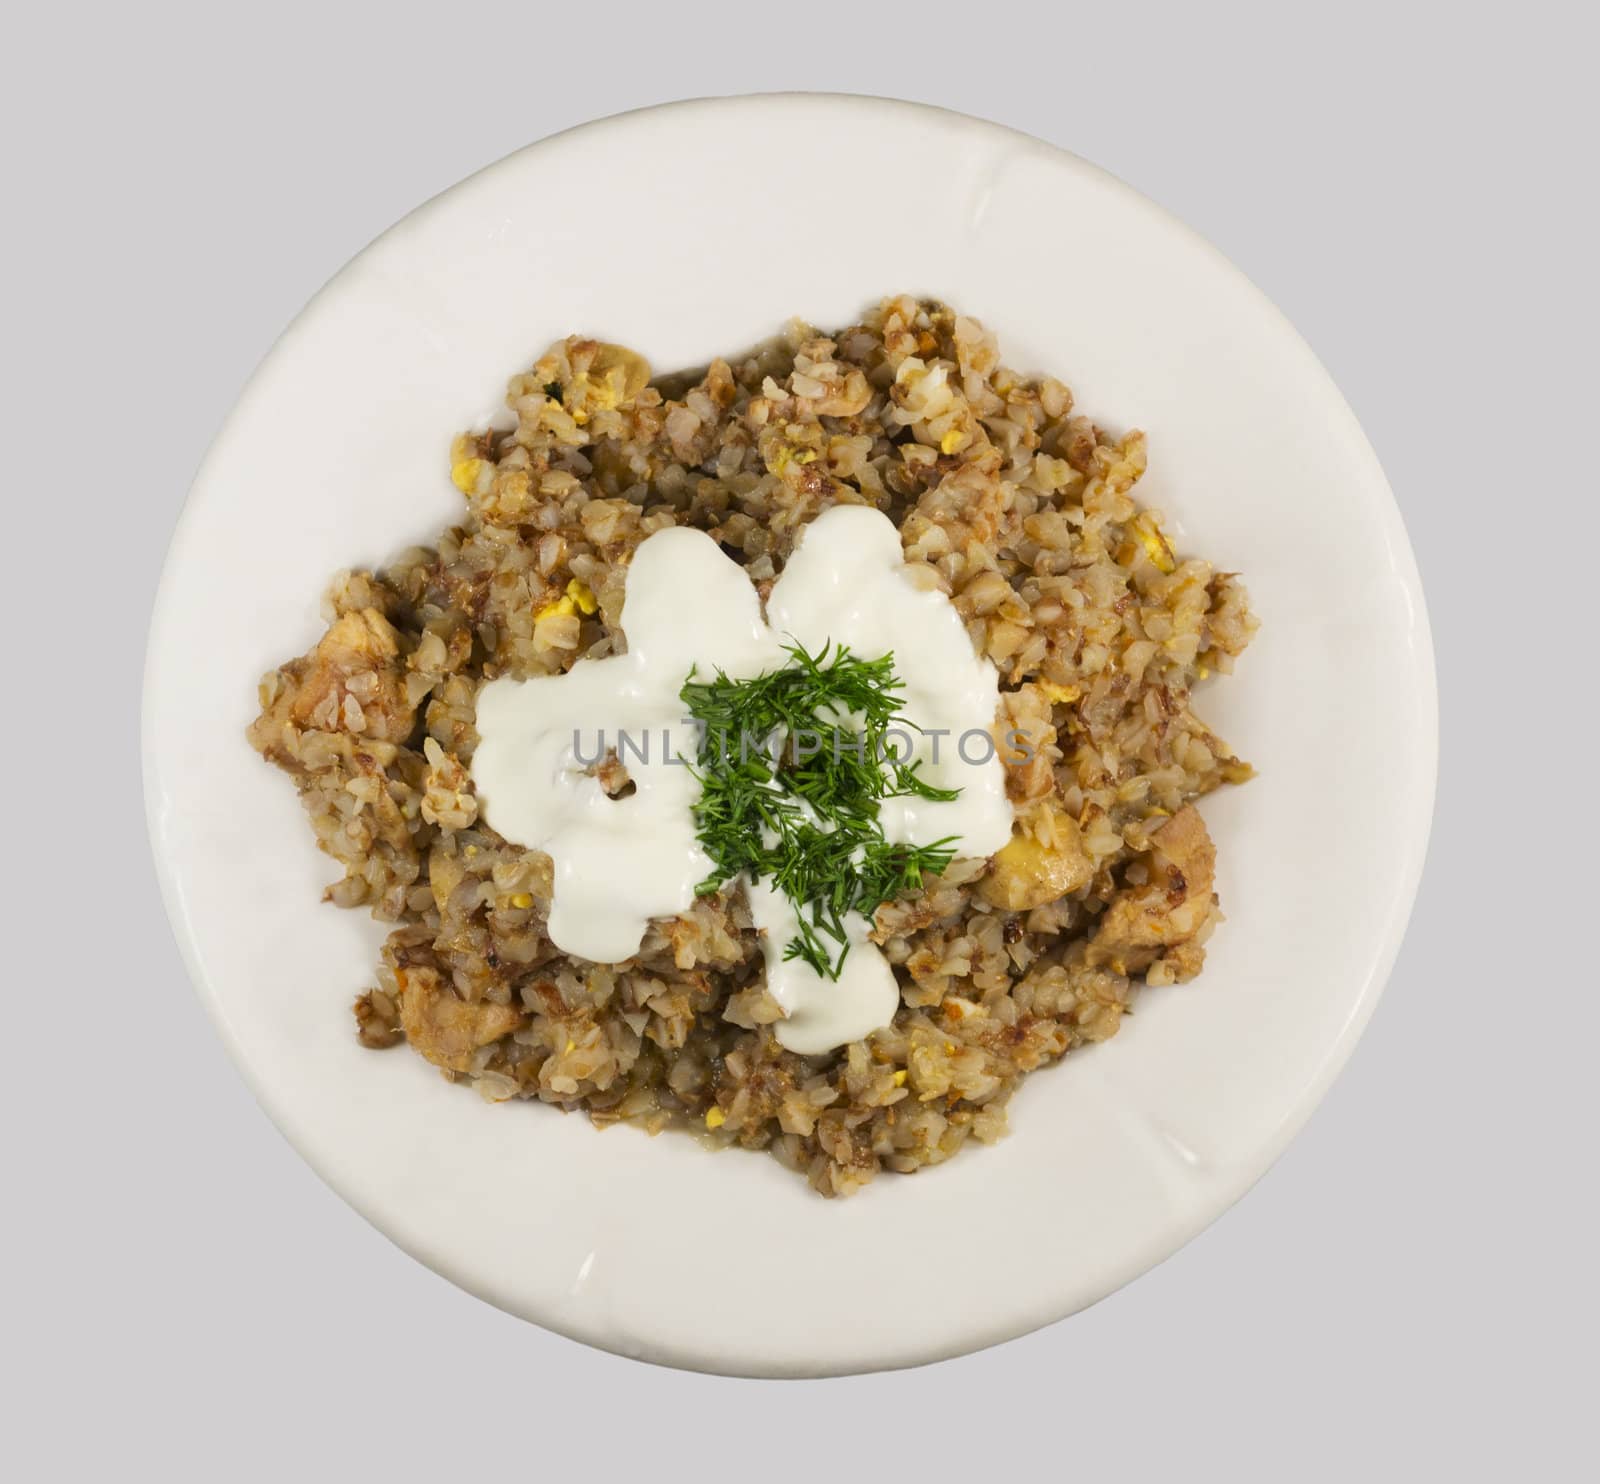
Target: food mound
(1017, 508)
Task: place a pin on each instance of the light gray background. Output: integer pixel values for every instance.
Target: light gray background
(1410, 1289)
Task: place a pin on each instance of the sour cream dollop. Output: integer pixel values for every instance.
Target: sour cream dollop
(619, 862)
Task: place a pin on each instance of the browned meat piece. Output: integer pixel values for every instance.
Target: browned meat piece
(1042, 862)
(1171, 908)
(444, 1027)
(354, 681)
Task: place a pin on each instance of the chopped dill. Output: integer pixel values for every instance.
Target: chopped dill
(793, 765)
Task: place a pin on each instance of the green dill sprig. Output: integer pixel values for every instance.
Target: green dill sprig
(793, 766)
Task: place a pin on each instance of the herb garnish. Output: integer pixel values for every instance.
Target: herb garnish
(793, 765)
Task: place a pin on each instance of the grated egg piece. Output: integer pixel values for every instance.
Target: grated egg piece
(1154, 542)
(464, 474)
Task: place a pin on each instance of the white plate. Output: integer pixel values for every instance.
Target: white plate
(699, 228)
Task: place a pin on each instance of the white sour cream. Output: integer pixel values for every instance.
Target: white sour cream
(620, 862)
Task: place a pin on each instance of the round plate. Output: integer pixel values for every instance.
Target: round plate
(696, 229)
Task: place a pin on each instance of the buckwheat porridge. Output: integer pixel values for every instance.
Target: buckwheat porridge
(801, 750)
